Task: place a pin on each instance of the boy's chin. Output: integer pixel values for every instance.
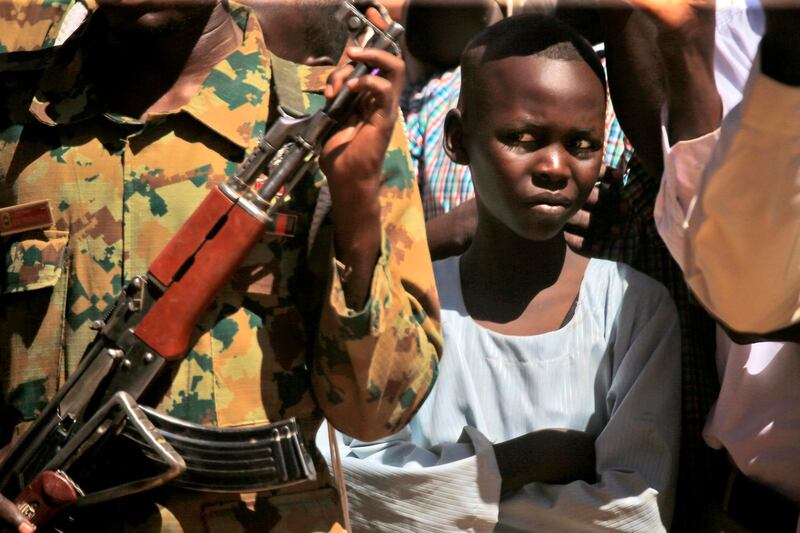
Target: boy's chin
(540, 232)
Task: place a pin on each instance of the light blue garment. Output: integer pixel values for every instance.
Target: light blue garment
(612, 371)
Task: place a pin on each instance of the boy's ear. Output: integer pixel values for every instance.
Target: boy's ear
(454, 143)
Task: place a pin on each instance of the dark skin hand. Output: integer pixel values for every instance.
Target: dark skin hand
(599, 218)
(686, 39)
(635, 80)
(9, 513)
(534, 457)
(451, 233)
(662, 52)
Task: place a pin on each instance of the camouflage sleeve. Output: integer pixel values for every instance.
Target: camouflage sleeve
(374, 367)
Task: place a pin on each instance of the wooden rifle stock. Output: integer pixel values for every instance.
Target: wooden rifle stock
(43, 499)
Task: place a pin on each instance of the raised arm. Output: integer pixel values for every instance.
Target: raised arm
(685, 35)
(379, 338)
(635, 80)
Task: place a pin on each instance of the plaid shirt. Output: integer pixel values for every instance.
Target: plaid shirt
(444, 184)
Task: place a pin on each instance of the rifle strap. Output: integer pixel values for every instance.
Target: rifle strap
(292, 82)
(289, 86)
(338, 474)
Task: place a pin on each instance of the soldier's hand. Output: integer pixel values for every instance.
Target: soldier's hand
(357, 151)
(9, 513)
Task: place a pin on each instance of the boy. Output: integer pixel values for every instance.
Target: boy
(569, 366)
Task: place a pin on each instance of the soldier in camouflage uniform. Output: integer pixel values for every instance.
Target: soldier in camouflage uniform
(296, 333)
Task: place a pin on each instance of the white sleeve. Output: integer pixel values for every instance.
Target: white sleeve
(739, 27)
(743, 235)
(637, 451)
(394, 485)
(683, 169)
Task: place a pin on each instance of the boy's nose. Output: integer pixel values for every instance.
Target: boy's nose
(550, 169)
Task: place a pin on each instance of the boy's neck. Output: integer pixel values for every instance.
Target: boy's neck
(507, 280)
(507, 260)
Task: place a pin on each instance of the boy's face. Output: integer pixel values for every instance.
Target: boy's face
(533, 132)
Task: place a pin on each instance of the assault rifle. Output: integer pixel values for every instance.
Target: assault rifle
(52, 466)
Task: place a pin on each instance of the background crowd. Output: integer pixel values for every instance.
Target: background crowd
(624, 358)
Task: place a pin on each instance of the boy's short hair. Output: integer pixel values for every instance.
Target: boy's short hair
(526, 35)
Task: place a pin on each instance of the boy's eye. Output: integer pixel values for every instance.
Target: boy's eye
(584, 145)
(519, 138)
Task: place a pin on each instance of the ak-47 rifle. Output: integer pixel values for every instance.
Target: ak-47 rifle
(148, 328)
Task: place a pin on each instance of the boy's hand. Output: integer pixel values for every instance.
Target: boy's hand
(555, 456)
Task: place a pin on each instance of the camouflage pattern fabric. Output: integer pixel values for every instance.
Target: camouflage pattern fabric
(27, 25)
(278, 342)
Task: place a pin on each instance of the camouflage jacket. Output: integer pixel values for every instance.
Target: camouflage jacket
(280, 340)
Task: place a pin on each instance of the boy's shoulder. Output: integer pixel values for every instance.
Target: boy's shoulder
(624, 292)
(626, 277)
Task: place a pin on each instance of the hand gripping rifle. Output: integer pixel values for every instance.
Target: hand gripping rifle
(149, 326)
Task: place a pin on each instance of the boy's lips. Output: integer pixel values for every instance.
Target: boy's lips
(549, 209)
(548, 204)
(552, 200)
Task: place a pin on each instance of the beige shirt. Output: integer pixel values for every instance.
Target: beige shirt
(741, 252)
